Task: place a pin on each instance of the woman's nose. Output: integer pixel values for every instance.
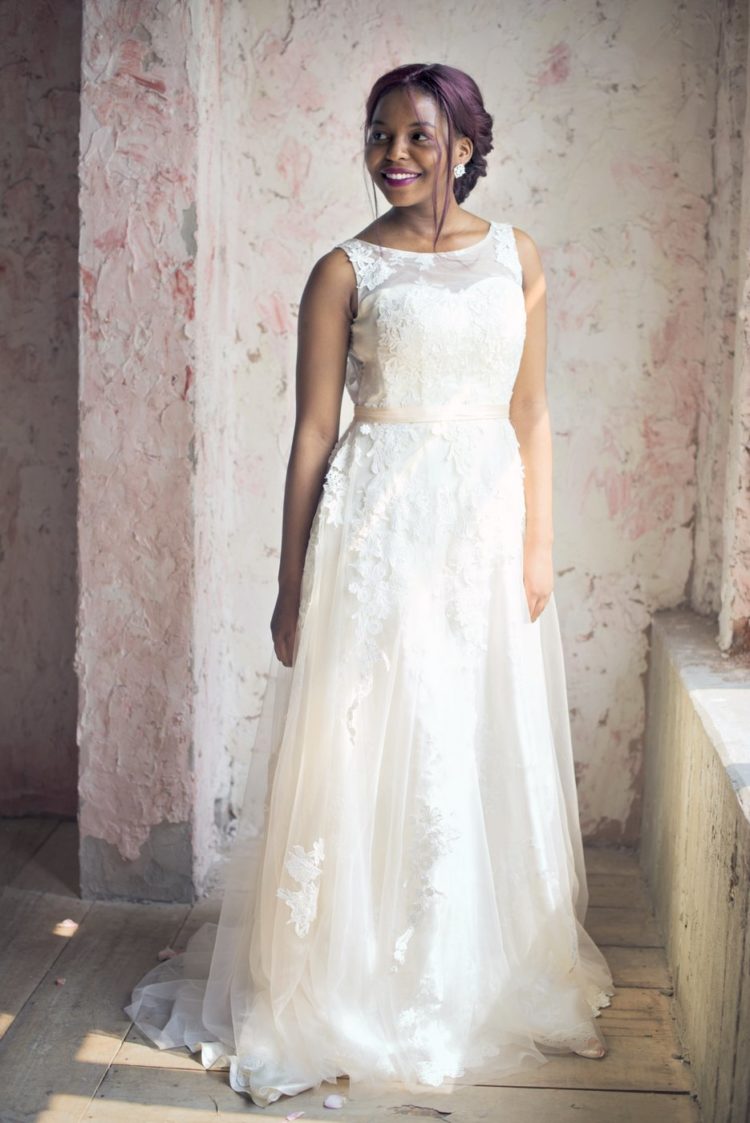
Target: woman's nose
(397, 147)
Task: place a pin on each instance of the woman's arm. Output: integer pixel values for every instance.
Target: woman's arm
(530, 417)
(323, 338)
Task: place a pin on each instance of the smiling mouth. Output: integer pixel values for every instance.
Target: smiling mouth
(400, 178)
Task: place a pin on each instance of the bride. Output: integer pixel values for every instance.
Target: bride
(412, 910)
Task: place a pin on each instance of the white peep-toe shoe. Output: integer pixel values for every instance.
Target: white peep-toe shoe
(593, 1049)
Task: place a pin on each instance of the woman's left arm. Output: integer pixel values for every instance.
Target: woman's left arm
(529, 415)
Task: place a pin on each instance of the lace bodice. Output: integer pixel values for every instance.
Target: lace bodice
(436, 328)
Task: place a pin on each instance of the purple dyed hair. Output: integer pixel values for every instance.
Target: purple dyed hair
(460, 100)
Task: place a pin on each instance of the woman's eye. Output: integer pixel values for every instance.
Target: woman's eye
(377, 136)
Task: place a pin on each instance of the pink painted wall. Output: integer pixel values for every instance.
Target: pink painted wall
(138, 449)
(216, 678)
(39, 80)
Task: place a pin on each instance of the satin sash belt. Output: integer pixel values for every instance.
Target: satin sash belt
(430, 413)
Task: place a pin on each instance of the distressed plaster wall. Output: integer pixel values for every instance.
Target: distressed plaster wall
(721, 572)
(734, 616)
(721, 287)
(155, 496)
(602, 121)
(139, 783)
(39, 83)
(216, 679)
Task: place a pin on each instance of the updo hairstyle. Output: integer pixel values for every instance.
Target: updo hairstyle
(459, 98)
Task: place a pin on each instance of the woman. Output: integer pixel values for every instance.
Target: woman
(413, 910)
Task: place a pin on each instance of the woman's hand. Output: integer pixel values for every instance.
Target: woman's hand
(538, 576)
(284, 623)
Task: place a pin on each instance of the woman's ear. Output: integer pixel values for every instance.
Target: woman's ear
(463, 151)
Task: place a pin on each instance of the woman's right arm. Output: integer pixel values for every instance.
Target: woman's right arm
(325, 318)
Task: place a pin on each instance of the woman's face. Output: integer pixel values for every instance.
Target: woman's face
(406, 148)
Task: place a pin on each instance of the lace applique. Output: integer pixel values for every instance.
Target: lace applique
(419, 331)
(303, 866)
(335, 487)
(399, 948)
(308, 571)
(506, 249)
(434, 329)
(422, 1026)
(376, 542)
(345, 456)
(388, 526)
(439, 1045)
(371, 267)
(433, 838)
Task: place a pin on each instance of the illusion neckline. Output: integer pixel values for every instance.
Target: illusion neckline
(430, 253)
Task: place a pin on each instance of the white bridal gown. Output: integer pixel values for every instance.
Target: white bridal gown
(412, 907)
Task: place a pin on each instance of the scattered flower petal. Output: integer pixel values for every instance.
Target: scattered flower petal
(295, 1115)
(60, 982)
(65, 928)
(166, 953)
(334, 1100)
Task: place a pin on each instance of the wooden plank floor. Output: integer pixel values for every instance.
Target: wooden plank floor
(69, 1055)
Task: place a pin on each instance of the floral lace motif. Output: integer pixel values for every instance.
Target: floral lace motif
(506, 249)
(432, 838)
(304, 867)
(394, 529)
(434, 328)
(371, 265)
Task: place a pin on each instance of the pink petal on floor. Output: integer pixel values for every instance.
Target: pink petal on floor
(60, 982)
(294, 1115)
(166, 953)
(334, 1100)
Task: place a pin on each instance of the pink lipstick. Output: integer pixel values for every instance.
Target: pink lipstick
(399, 177)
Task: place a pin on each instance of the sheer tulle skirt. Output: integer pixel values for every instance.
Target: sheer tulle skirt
(406, 893)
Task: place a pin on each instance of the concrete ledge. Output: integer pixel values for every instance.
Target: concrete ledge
(695, 848)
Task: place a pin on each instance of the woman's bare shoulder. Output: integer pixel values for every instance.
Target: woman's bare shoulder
(528, 254)
(332, 270)
(525, 242)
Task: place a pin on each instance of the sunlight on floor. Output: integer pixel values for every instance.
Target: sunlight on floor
(66, 928)
(97, 1048)
(64, 1106)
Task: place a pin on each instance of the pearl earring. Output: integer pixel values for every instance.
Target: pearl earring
(459, 170)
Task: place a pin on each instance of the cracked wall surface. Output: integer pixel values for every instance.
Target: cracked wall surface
(734, 616)
(139, 127)
(721, 568)
(722, 278)
(39, 94)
